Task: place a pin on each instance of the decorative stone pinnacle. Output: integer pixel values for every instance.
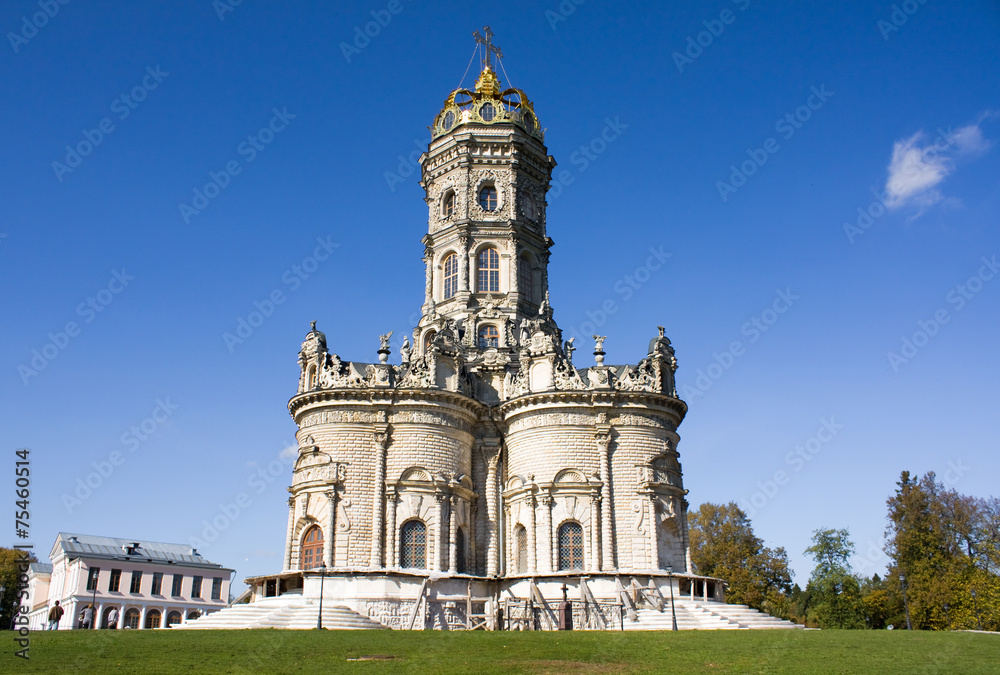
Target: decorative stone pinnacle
(599, 348)
(384, 350)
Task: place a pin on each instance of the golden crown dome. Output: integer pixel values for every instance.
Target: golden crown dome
(488, 104)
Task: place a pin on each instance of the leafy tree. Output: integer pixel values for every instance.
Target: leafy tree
(835, 592)
(723, 545)
(10, 562)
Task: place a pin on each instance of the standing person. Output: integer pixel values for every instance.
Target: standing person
(54, 615)
(113, 618)
(87, 617)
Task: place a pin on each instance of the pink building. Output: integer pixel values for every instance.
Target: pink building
(150, 584)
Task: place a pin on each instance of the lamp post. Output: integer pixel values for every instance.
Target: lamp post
(975, 605)
(322, 578)
(906, 605)
(670, 582)
(947, 615)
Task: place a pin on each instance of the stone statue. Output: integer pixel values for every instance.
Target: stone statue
(599, 342)
(404, 351)
(568, 348)
(385, 340)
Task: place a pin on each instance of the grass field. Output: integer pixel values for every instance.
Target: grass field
(280, 651)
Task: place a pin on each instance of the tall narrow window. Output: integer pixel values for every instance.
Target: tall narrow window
(413, 545)
(450, 276)
(489, 271)
(217, 588)
(460, 551)
(524, 280)
(157, 583)
(95, 572)
(312, 549)
(196, 587)
(449, 205)
(571, 546)
(114, 581)
(521, 542)
(136, 582)
(488, 198)
(489, 336)
(175, 589)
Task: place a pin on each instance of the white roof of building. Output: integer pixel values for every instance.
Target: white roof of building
(137, 550)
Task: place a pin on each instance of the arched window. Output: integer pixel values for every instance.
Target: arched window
(413, 545)
(450, 276)
(488, 198)
(106, 620)
(571, 546)
(449, 205)
(489, 271)
(174, 618)
(524, 280)
(521, 542)
(152, 619)
(460, 550)
(194, 614)
(429, 340)
(489, 336)
(131, 618)
(311, 555)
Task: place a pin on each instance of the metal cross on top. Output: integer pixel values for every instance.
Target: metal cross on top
(487, 42)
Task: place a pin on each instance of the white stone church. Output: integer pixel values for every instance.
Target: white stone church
(488, 474)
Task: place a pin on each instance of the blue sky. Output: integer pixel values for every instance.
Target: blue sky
(746, 136)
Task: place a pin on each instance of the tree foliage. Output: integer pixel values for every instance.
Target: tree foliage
(11, 562)
(723, 545)
(835, 599)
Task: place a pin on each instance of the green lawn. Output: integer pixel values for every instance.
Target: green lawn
(280, 651)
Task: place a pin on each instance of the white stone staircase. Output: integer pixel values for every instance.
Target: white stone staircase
(286, 612)
(706, 615)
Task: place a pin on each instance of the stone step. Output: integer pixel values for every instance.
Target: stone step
(294, 613)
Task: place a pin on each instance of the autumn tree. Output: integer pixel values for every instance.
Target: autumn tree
(11, 563)
(723, 545)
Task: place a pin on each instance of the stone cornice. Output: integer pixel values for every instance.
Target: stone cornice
(371, 396)
(654, 402)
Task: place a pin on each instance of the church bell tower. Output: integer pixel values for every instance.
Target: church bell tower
(486, 174)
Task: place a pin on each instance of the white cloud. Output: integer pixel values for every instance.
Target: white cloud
(918, 166)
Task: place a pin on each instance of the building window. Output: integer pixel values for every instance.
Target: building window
(524, 280)
(460, 551)
(571, 546)
(131, 618)
(489, 271)
(114, 581)
(449, 205)
(216, 588)
(174, 618)
(152, 619)
(521, 542)
(413, 545)
(488, 198)
(487, 112)
(489, 336)
(194, 614)
(136, 582)
(429, 340)
(157, 583)
(175, 590)
(311, 555)
(95, 572)
(196, 587)
(450, 276)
